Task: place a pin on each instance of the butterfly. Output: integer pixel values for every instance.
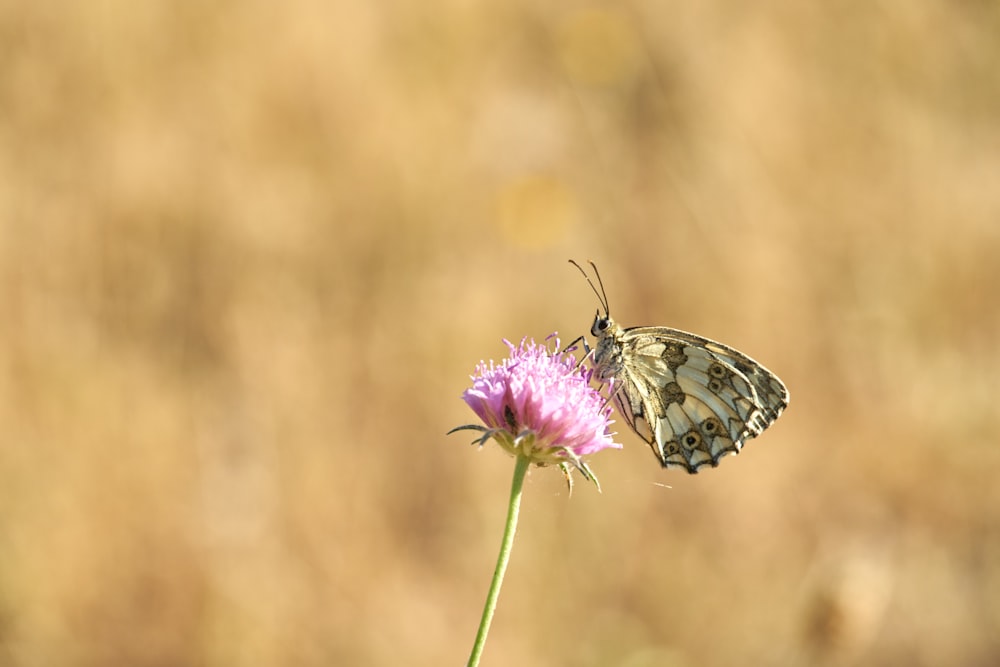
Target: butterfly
(693, 400)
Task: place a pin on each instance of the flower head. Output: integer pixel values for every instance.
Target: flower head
(539, 404)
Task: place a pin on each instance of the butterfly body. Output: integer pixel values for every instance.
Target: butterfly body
(693, 400)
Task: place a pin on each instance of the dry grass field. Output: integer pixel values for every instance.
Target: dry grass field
(251, 252)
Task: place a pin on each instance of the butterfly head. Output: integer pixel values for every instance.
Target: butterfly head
(603, 324)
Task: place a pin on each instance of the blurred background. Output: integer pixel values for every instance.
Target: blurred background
(250, 254)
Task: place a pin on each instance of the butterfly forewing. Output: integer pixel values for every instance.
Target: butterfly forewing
(692, 399)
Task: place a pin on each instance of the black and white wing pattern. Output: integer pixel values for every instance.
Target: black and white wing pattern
(692, 399)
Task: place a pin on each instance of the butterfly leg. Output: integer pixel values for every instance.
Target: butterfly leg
(572, 345)
(589, 351)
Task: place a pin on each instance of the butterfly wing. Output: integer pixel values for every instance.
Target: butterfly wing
(692, 399)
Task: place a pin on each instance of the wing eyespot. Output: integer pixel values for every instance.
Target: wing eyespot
(691, 440)
(711, 427)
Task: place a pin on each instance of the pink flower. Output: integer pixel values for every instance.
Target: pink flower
(540, 404)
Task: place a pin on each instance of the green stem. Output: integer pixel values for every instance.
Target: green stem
(520, 468)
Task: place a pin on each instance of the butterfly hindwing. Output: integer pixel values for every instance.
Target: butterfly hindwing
(691, 399)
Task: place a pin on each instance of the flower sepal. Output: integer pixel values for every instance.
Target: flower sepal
(524, 444)
(487, 432)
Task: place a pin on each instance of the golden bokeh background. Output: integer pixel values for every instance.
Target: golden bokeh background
(250, 253)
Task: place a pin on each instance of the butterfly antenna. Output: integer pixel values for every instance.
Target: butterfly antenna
(601, 296)
(604, 295)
